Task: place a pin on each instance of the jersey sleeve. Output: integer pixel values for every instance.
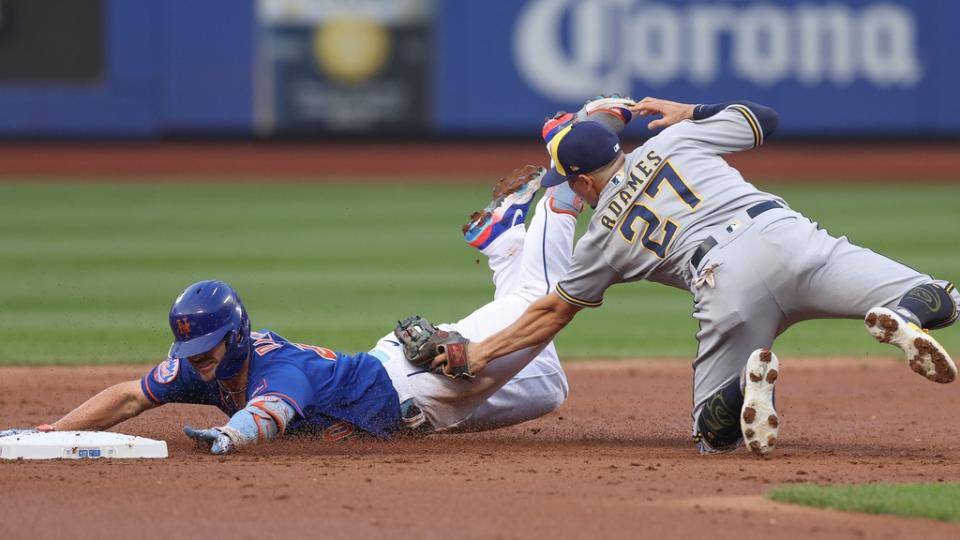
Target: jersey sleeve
(589, 276)
(733, 128)
(287, 382)
(171, 381)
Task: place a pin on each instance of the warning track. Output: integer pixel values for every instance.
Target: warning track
(438, 161)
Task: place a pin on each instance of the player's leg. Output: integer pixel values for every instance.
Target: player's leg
(546, 253)
(448, 403)
(498, 231)
(538, 389)
(549, 243)
(531, 260)
(510, 396)
(738, 319)
(525, 384)
(838, 279)
(924, 306)
(732, 376)
(503, 257)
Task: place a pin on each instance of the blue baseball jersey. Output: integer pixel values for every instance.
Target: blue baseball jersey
(325, 387)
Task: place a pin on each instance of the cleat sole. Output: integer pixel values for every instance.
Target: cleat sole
(762, 372)
(925, 355)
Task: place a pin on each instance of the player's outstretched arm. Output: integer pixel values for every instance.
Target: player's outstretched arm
(730, 126)
(537, 325)
(263, 419)
(108, 408)
(766, 118)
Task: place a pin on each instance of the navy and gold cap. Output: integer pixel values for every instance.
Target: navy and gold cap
(580, 147)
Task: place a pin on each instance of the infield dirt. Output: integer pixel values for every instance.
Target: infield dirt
(615, 461)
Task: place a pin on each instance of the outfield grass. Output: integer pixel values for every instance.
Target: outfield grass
(89, 269)
(933, 501)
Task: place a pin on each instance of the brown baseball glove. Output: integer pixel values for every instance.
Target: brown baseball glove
(422, 342)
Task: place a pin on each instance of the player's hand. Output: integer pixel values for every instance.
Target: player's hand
(42, 428)
(16, 431)
(670, 112)
(476, 361)
(220, 443)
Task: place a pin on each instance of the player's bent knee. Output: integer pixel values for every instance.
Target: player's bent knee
(552, 395)
(564, 387)
(558, 399)
(561, 389)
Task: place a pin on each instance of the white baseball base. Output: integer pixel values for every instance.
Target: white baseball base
(80, 445)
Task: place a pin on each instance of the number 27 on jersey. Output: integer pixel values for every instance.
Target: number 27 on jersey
(652, 236)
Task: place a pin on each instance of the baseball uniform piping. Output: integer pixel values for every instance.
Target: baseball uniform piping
(757, 134)
(573, 300)
(543, 251)
(145, 384)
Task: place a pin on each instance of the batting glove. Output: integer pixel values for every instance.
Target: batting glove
(16, 431)
(24, 431)
(220, 443)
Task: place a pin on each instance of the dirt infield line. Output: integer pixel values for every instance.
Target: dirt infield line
(615, 461)
(437, 161)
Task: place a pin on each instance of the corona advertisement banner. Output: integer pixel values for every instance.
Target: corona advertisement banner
(857, 67)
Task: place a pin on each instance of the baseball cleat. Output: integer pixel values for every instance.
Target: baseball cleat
(511, 202)
(924, 355)
(758, 417)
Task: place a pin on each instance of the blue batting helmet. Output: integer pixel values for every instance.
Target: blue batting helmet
(205, 314)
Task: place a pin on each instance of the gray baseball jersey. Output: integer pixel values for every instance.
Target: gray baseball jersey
(678, 214)
(660, 207)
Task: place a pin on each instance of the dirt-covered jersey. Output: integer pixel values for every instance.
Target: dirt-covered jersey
(326, 388)
(655, 211)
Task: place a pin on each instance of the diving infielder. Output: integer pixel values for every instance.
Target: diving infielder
(269, 386)
(674, 212)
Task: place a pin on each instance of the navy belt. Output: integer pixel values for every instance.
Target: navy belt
(711, 242)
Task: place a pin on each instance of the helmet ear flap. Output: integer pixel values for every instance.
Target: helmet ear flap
(236, 342)
(242, 335)
(231, 340)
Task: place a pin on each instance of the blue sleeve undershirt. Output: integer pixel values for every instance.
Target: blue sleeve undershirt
(766, 117)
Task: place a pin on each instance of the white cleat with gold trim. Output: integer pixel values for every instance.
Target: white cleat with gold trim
(924, 355)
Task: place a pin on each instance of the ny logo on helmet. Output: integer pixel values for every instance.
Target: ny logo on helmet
(183, 326)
